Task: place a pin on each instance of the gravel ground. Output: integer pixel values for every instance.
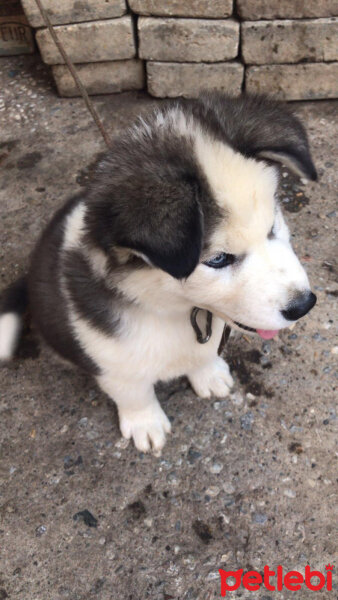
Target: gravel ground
(243, 482)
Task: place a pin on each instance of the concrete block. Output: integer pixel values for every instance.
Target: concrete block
(265, 42)
(101, 78)
(187, 40)
(112, 39)
(286, 9)
(189, 79)
(73, 11)
(215, 9)
(310, 81)
(16, 36)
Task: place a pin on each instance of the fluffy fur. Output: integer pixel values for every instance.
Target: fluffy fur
(118, 270)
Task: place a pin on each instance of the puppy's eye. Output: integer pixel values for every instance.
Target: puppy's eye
(220, 261)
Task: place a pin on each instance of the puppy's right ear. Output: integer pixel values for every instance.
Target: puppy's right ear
(159, 220)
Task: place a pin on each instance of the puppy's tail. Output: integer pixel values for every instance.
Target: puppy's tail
(13, 305)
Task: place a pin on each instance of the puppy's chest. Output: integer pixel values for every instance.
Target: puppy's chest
(169, 347)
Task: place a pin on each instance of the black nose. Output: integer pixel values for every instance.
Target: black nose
(300, 306)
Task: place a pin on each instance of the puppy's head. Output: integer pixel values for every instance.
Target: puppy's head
(192, 190)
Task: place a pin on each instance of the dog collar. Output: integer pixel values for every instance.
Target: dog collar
(203, 339)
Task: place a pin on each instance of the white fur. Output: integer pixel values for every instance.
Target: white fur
(74, 227)
(10, 326)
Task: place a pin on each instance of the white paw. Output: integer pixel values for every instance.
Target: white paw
(213, 379)
(147, 426)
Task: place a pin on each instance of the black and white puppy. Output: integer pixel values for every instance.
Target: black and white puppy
(181, 213)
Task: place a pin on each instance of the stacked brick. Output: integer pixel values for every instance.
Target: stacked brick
(189, 46)
(288, 48)
(98, 37)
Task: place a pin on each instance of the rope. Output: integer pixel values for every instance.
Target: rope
(74, 73)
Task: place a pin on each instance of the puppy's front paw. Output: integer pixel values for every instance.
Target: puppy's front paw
(147, 426)
(213, 379)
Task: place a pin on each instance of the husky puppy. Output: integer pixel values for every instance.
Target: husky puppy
(181, 213)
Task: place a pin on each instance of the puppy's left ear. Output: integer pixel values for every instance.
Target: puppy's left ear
(285, 140)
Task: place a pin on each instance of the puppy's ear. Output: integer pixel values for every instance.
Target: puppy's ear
(172, 244)
(161, 221)
(281, 137)
(258, 126)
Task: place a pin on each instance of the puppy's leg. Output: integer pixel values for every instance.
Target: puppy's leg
(211, 379)
(140, 414)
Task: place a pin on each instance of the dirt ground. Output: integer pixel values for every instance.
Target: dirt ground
(243, 482)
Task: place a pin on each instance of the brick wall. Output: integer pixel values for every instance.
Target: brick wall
(288, 48)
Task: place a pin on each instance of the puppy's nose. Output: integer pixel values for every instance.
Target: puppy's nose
(300, 306)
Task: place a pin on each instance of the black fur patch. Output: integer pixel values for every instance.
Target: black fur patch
(91, 297)
(254, 125)
(15, 297)
(47, 303)
(150, 196)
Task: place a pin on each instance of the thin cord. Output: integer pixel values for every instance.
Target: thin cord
(74, 73)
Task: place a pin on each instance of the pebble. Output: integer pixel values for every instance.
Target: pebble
(213, 491)
(228, 487)
(87, 518)
(237, 398)
(289, 493)
(216, 468)
(193, 455)
(247, 421)
(259, 518)
(266, 348)
(110, 554)
(40, 530)
(172, 478)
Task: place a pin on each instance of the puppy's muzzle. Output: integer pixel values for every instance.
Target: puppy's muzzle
(300, 306)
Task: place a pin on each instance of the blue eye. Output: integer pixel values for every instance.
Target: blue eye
(221, 260)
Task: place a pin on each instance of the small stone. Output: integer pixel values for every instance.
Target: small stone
(247, 421)
(289, 493)
(266, 348)
(110, 554)
(250, 396)
(172, 478)
(334, 350)
(102, 541)
(236, 398)
(216, 467)
(259, 518)
(228, 487)
(40, 530)
(87, 518)
(212, 491)
(193, 455)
